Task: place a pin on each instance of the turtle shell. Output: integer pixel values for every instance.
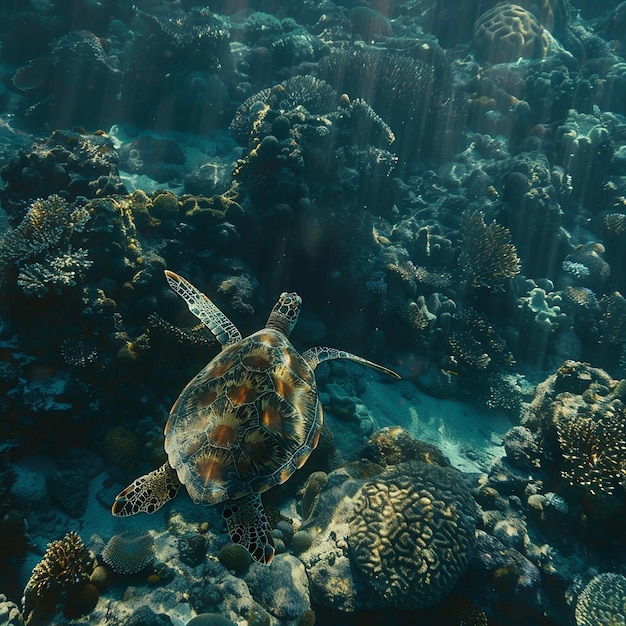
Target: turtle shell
(246, 422)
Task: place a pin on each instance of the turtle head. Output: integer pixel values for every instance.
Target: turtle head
(284, 315)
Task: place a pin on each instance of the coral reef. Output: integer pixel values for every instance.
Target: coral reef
(409, 89)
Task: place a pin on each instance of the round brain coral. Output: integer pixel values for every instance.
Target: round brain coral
(413, 533)
(129, 552)
(508, 32)
(603, 601)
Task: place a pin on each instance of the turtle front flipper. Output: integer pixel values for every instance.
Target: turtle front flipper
(314, 356)
(248, 525)
(148, 493)
(202, 307)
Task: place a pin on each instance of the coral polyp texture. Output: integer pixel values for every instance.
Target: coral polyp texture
(412, 534)
(580, 419)
(507, 32)
(129, 552)
(602, 601)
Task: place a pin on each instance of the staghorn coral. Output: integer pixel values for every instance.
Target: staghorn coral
(40, 247)
(66, 565)
(55, 274)
(488, 257)
(593, 447)
(412, 533)
(507, 32)
(129, 552)
(602, 601)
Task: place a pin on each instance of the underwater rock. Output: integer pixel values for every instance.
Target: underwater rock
(393, 445)
(210, 619)
(507, 570)
(234, 557)
(282, 589)
(69, 491)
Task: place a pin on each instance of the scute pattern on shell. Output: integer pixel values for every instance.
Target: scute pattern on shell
(413, 533)
(246, 422)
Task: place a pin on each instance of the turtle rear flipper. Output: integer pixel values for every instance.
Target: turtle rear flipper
(148, 493)
(248, 525)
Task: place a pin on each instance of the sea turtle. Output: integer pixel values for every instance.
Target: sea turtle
(246, 422)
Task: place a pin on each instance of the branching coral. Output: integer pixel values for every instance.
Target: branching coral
(312, 94)
(488, 256)
(65, 568)
(40, 247)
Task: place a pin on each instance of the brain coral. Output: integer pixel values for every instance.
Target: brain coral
(413, 533)
(603, 601)
(508, 32)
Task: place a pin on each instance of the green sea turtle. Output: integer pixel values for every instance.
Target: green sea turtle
(244, 423)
